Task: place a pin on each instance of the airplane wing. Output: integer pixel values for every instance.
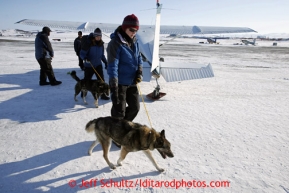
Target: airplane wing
(108, 27)
(218, 30)
(70, 25)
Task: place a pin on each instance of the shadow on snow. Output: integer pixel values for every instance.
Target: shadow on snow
(19, 176)
(33, 103)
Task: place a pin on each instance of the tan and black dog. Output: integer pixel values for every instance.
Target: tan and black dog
(131, 136)
(96, 87)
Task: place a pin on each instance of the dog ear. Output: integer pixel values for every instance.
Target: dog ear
(163, 133)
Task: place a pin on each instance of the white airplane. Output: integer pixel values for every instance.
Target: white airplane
(247, 42)
(149, 37)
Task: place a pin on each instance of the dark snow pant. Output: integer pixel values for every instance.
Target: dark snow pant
(89, 72)
(46, 70)
(126, 95)
(80, 62)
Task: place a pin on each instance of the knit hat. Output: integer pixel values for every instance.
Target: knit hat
(130, 21)
(46, 29)
(97, 32)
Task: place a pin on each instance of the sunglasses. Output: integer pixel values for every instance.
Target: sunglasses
(132, 30)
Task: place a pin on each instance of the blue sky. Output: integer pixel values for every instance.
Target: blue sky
(264, 16)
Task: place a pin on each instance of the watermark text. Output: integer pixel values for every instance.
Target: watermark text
(148, 183)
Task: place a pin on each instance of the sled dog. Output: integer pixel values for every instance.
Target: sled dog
(96, 87)
(131, 136)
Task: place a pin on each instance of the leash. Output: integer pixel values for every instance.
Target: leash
(95, 71)
(144, 105)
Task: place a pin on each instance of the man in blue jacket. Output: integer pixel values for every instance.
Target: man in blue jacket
(124, 69)
(44, 54)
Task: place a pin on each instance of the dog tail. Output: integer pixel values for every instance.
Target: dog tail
(74, 76)
(90, 126)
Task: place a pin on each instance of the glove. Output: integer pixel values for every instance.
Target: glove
(105, 66)
(138, 77)
(113, 83)
(87, 62)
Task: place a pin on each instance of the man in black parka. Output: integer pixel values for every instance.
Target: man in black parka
(44, 54)
(77, 48)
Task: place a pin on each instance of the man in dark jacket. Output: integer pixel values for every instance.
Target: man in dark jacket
(44, 54)
(77, 48)
(124, 69)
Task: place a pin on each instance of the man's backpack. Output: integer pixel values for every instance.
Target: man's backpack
(85, 43)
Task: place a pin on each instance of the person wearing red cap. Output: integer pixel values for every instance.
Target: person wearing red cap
(124, 69)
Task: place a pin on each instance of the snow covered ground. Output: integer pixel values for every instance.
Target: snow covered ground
(229, 128)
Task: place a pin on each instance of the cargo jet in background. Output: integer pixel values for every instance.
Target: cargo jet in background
(149, 37)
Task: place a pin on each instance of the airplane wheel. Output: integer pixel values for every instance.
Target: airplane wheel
(156, 94)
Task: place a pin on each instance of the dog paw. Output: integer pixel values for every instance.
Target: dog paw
(119, 164)
(89, 153)
(112, 166)
(160, 169)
